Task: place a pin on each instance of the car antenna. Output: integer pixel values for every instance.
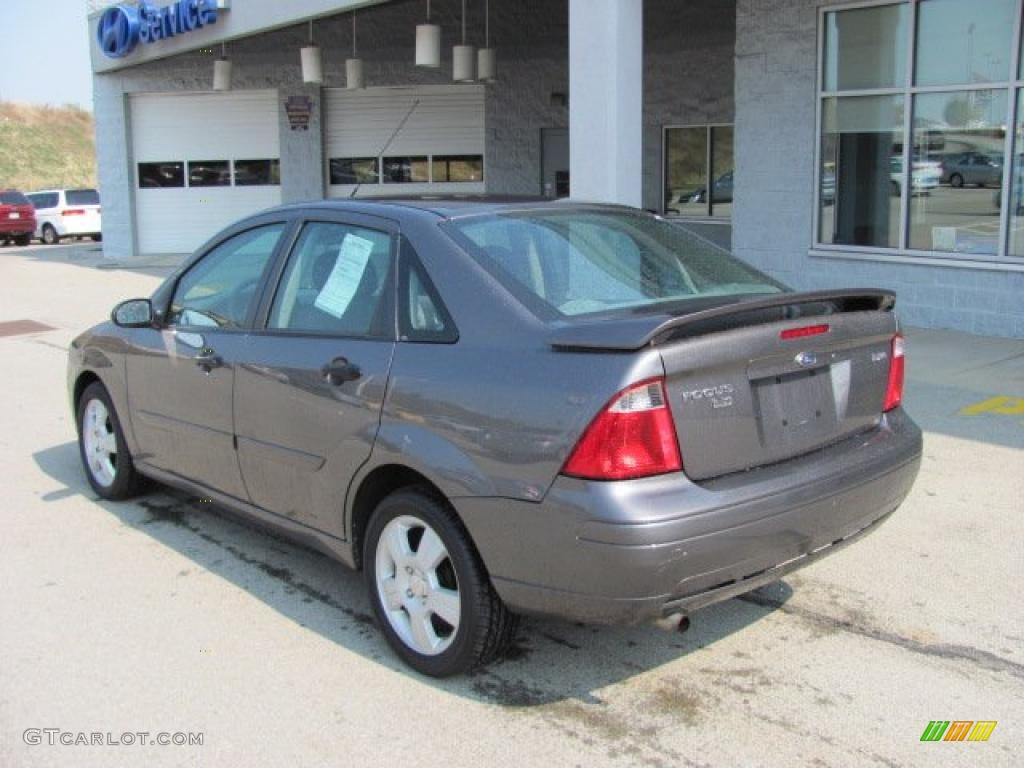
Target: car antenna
(387, 144)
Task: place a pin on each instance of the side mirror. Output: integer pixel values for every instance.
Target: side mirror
(134, 313)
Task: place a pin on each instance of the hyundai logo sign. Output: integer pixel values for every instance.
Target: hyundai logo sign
(122, 27)
(118, 31)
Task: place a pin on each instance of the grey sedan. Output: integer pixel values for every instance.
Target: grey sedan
(503, 407)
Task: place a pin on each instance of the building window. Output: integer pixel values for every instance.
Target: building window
(693, 155)
(257, 173)
(915, 101)
(406, 170)
(209, 173)
(153, 175)
(457, 168)
(354, 170)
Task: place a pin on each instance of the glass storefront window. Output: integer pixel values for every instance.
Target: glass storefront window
(959, 138)
(934, 134)
(693, 155)
(861, 164)
(1016, 245)
(866, 48)
(964, 42)
(686, 170)
(721, 170)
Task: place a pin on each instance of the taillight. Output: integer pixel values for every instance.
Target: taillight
(73, 212)
(894, 390)
(632, 437)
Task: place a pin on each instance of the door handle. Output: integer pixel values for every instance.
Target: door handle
(340, 370)
(207, 360)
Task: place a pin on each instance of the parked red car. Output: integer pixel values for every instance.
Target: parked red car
(17, 218)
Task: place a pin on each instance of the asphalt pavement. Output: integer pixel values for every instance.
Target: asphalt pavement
(166, 617)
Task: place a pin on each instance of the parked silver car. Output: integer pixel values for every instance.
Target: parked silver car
(503, 407)
(976, 168)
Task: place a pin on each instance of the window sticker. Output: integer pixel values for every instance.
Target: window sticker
(337, 293)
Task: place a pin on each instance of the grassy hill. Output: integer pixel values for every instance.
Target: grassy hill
(45, 147)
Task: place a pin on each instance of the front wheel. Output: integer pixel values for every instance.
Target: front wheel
(108, 465)
(429, 589)
(956, 180)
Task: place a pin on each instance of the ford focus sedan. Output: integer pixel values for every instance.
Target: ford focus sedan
(494, 408)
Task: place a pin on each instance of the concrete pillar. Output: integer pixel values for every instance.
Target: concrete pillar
(606, 100)
(302, 150)
(114, 165)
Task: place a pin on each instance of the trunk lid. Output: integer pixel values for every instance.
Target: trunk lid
(743, 393)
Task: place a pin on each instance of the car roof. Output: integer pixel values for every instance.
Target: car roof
(447, 206)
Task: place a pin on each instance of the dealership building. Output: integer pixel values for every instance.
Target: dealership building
(870, 144)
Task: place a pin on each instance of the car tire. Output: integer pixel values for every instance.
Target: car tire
(405, 587)
(49, 235)
(23, 240)
(112, 475)
(956, 180)
(96, 238)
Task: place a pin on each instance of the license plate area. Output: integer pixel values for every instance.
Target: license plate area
(14, 215)
(796, 410)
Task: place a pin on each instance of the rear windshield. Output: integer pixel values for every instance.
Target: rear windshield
(13, 198)
(582, 262)
(82, 197)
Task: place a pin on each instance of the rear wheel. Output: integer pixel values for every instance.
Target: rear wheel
(108, 465)
(429, 590)
(50, 235)
(25, 239)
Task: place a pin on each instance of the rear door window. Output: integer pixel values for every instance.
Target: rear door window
(334, 283)
(82, 197)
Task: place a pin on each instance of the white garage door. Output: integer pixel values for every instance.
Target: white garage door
(201, 162)
(436, 138)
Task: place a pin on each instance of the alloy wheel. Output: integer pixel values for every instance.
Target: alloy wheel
(417, 585)
(99, 442)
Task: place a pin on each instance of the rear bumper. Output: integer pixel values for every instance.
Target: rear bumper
(11, 227)
(626, 552)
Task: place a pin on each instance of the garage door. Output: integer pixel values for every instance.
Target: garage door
(201, 162)
(397, 141)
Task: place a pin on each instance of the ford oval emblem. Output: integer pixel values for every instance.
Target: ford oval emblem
(807, 359)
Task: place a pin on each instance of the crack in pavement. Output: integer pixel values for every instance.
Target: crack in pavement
(949, 651)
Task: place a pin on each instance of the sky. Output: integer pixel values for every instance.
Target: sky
(44, 55)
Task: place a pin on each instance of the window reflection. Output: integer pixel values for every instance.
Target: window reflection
(1016, 245)
(866, 48)
(959, 138)
(693, 155)
(960, 42)
(861, 171)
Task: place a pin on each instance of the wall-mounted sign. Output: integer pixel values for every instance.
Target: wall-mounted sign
(122, 27)
(299, 110)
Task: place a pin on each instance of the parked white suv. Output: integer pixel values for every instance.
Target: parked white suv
(66, 213)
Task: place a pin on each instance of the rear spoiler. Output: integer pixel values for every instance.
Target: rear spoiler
(630, 333)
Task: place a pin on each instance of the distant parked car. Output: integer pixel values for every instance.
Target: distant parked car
(972, 168)
(17, 218)
(64, 213)
(925, 176)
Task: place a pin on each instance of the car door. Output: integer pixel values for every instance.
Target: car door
(309, 390)
(181, 375)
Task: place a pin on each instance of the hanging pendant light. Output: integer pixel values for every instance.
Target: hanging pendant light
(354, 66)
(428, 43)
(312, 61)
(463, 56)
(222, 70)
(486, 57)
